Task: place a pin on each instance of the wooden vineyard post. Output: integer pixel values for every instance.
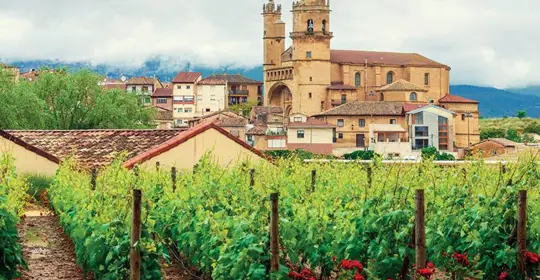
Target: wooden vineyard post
(173, 178)
(274, 231)
(420, 230)
(313, 179)
(252, 178)
(522, 232)
(370, 176)
(157, 165)
(93, 179)
(135, 254)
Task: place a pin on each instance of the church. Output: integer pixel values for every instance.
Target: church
(358, 90)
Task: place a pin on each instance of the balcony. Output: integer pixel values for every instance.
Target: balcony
(239, 92)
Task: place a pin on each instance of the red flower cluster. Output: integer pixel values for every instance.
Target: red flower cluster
(427, 272)
(349, 265)
(305, 274)
(461, 259)
(359, 276)
(531, 257)
(503, 276)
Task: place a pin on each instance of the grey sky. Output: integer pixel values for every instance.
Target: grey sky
(485, 42)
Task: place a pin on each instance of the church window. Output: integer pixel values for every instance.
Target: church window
(308, 54)
(343, 98)
(324, 26)
(381, 97)
(310, 26)
(311, 79)
(389, 77)
(357, 79)
(413, 96)
(426, 79)
(310, 95)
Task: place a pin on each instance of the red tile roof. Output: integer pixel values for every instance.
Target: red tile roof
(163, 92)
(259, 129)
(366, 108)
(450, 98)
(407, 107)
(207, 81)
(402, 85)
(140, 81)
(310, 123)
(235, 79)
(186, 77)
(382, 58)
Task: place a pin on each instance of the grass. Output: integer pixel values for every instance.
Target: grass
(508, 123)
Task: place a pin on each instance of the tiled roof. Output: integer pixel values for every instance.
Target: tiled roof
(186, 77)
(310, 123)
(402, 85)
(92, 148)
(503, 141)
(164, 114)
(212, 81)
(341, 86)
(233, 79)
(140, 81)
(382, 58)
(267, 109)
(114, 86)
(257, 130)
(407, 107)
(163, 92)
(450, 98)
(223, 113)
(232, 122)
(359, 108)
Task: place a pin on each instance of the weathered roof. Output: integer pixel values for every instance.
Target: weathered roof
(310, 123)
(387, 128)
(360, 108)
(140, 81)
(186, 77)
(232, 79)
(450, 98)
(267, 109)
(163, 92)
(232, 122)
(212, 81)
(164, 114)
(257, 130)
(407, 107)
(222, 113)
(382, 58)
(341, 86)
(501, 141)
(114, 86)
(402, 85)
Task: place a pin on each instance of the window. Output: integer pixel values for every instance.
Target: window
(311, 79)
(309, 94)
(179, 87)
(300, 134)
(418, 118)
(340, 123)
(180, 110)
(145, 88)
(207, 110)
(357, 79)
(310, 26)
(133, 88)
(189, 99)
(244, 99)
(362, 123)
(179, 122)
(393, 121)
(340, 135)
(426, 79)
(161, 101)
(419, 144)
(343, 98)
(276, 143)
(462, 117)
(188, 110)
(389, 77)
(188, 87)
(421, 131)
(324, 26)
(381, 97)
(308, 54)
(413, 96)
(322, 105)
(297, 119)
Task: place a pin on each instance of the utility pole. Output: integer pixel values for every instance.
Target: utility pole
(469, 116)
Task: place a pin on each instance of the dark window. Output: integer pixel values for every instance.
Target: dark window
(340, 135)
(308, 54)
(162, 101)
(145, 88)
(462, 117)
(381, 97)
(300, 134)
(324, 26)
(179, 87)
(357, 79)
(362, 123)
(426, 79)
(340, 123)
(309, 95)
(343, 98)
(413, 96)
(421, 131)
(393, 121)
(310, 26)
(311, 79)
(207, 110)
(421, 143)
(133, 88)
(188, 87)
(389, 77)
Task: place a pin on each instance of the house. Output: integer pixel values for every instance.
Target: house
(143, 87)
(110, 84)
(164, 118)
(41, 152)
(260, 113)
(309, 134)
(230, 121)
(14, 70)
(431, 126)
(211, 96)
(184, 92)
(267, 129)
(467, 119)
(163, 98)
(495, 147)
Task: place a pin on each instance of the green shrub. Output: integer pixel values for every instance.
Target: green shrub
(38, 183)
(487, 133)
(533, 128)
(445, 156)
(513, 135)
(360, 155)
(429, 152)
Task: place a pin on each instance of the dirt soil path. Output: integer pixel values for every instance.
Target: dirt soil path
(47, 250)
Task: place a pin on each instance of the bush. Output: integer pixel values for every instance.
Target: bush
(37, 184)
(288, 154)
(492, 133)
(513, 135)
(433, 153)
(533, 128)
(521, 114)
(445, 156)
(360, 155)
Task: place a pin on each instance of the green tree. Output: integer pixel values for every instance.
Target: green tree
(521, 114)
(487, 133)
(513, 135)
(533, 128)
(243, 109)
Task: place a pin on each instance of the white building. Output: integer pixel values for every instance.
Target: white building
(211, 96)
(184, 95)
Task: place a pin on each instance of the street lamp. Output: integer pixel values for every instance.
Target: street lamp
(469, 116)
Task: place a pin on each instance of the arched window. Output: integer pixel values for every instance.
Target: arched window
(310, 25)
(389, 77)
(413, 96)
(324, 26)
(381, 97)
(357, 79)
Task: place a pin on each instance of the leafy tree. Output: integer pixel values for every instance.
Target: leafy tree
(487, 133)
(521, 114)
(243, 109)
(513, 135)
(61, 100)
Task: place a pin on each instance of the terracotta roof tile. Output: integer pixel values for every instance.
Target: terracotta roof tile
(232, 122)
(267, 109)
(162, 92)
(164, 114)
(311, 122)
(402, 85)
(186, 77)
(232, 79)
(502, 141)
(257, 130)
(140, 81)
(382, 58)
(450, 98)
(407, 107)
(211, 81)
(359, 108)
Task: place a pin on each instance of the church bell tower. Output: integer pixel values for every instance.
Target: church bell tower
(274, 35)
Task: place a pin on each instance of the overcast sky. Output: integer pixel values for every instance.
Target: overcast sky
(495, 42)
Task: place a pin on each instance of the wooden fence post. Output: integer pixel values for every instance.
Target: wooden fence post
(522, 232)
(157, 165)
(252, 178)
(420, 230)
(93, 179)
(370, 176)
(313, 179)
(274, 231)
(135, 254)
(173, 178)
